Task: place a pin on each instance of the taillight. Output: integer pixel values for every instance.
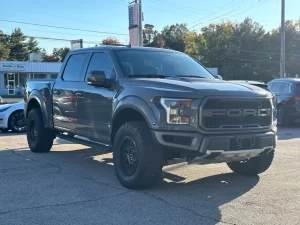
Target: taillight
(296, 98)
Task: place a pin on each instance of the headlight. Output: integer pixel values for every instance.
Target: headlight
(177, 110)
(2, 110)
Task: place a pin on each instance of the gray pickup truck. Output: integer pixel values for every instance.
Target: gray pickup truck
(149, 106)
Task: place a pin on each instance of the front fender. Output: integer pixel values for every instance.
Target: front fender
(140, 106)
(36, 95)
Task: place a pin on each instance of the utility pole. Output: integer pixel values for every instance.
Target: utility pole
(140, 24)
(282, 35)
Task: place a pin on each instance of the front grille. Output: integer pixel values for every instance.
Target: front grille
(223, 121)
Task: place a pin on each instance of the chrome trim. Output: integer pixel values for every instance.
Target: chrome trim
(236, 127)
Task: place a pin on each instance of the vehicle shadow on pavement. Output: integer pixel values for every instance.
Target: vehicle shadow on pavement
(287, 133)
(201, 198)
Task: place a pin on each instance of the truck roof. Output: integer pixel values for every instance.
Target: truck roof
(112, 47)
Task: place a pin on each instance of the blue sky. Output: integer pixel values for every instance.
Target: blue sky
(112, 16)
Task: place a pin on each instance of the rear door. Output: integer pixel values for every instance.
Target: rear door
(64, 92)
(95, 106)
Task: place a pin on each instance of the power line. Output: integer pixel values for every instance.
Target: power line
(58, 27)
(177, 6)
(217, 11)
(50, 38)
(239, 9)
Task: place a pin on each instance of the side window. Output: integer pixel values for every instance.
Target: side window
(286, 88)
(101, 62)
(276, 87)
(74, 67)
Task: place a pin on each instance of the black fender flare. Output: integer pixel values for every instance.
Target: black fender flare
(36, 95)
(138, 105)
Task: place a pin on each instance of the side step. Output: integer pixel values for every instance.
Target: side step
(84, 141)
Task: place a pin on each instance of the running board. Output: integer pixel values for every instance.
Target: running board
(84, 141)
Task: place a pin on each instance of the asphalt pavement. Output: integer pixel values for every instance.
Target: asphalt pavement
(75, 184)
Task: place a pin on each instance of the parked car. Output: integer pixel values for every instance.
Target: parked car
(150, 105)
(12, 117)
(287, 92)
(257, 84)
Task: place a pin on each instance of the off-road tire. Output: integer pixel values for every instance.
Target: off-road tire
(149, 157)
(43, 140)
(253, 166)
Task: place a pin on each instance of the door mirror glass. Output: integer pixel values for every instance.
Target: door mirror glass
(97, 78)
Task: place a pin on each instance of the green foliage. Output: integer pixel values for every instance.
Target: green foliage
(32, 46)
(60, 53)
(18, 46)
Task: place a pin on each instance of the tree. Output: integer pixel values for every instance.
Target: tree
(174, 36)
(32, 46)
(18, 46)
(110, 41)
(149, 37)
(4, 47)
(50, 58)
(60, 53)
(193, 43)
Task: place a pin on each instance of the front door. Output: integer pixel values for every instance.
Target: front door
(64, 93)
(11, 84)
(95, 104)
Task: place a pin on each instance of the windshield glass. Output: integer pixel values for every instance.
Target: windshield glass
(140, 63)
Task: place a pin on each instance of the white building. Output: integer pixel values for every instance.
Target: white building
(14, 74)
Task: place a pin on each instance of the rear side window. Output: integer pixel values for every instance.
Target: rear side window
(280, 87)
(74, 67)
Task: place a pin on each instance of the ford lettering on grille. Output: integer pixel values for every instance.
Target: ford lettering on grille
(236, 113)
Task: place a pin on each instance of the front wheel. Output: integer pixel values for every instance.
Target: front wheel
(253, 166)
(137, 162)
(16, 121)
(39, 138)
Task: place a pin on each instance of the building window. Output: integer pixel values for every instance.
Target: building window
(39, 76)
(54, 76)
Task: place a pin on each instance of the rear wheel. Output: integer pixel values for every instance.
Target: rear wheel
(282, 120)
(39, 138)
(16, 121)
(137, 162)
(253, 166)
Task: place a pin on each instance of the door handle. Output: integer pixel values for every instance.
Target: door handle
(79, 95)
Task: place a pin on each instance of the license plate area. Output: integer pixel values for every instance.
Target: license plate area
(243, 143)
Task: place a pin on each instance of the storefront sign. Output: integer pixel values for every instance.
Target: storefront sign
(12, 67)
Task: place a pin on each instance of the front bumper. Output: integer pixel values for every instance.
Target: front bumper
(204, 149)
(3, 120)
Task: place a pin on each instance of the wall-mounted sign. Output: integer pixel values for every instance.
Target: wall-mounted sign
(12, 67)
(76, 44)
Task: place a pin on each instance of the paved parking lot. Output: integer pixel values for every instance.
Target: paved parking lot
(75, 184)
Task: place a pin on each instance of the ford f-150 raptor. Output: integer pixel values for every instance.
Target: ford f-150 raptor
(150, 105)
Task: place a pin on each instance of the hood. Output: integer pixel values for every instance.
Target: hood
(201, 87)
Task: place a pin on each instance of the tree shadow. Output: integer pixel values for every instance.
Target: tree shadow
(202, 197)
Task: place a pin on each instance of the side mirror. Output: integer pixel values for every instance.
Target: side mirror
(97, 78)
(218, 77)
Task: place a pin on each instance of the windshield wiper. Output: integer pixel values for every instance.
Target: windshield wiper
(147, 76)
(193, 76)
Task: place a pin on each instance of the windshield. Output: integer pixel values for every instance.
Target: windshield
(138, 63)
